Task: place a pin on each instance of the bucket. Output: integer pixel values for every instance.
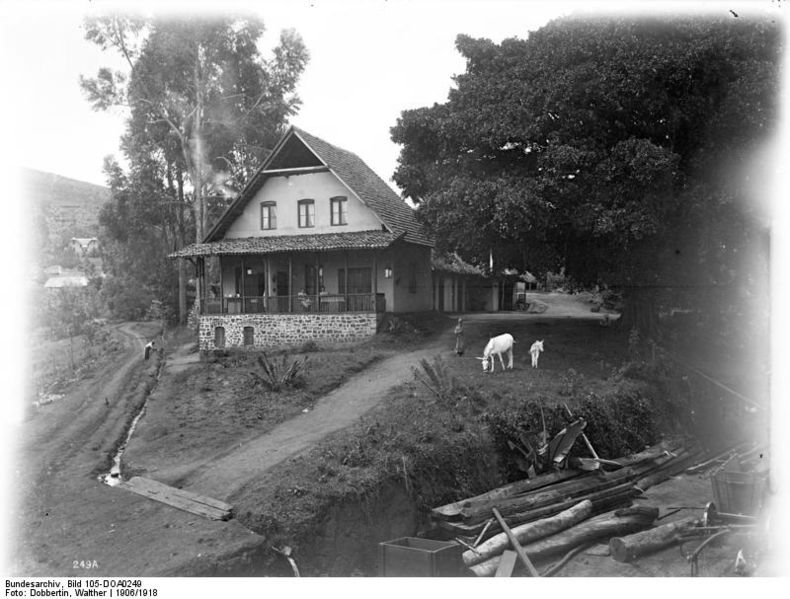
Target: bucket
(739, 492)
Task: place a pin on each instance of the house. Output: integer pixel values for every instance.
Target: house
(459, 286)
(315, 247)
(66, 279)
(84, 246)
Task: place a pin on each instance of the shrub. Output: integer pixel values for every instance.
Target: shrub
(276, 374)
(620, 423)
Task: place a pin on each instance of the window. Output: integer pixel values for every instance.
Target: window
(249, 336)
(306, 213)
(339, 210)
(359, 280)
(268, 215)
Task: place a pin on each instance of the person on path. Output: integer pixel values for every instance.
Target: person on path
(148, 349)
(459, 337)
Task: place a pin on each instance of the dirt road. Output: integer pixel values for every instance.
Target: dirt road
(68, 522)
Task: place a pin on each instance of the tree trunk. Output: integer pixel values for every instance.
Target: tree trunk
(627, 549)
(527, 533)
(604, 526)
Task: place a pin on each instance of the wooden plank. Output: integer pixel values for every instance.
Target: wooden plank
(153, 484)
(506, 564)
(178, 498)
(454, 510)
(516, 545)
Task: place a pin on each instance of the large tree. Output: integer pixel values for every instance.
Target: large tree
(205, 105)
(606, 146)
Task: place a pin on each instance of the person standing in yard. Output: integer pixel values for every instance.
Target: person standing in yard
(459, 337)
(148, 349)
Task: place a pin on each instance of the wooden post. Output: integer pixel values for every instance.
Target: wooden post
(345, 277)
(516, 545)
(243, 285)
(317, 284)
(203, 284)
(267, 273)
(290, 283)
(221, 288)
(375, 279)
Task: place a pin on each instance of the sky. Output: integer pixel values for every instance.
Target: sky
(370, 60)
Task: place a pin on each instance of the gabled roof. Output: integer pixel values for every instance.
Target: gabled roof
(349, 168)
(291, 243)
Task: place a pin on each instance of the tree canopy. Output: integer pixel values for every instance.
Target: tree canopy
(204, 108)
(611, 147)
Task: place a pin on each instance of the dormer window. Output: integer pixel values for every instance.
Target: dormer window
(339, 210)
(306, 213)
(268, 215)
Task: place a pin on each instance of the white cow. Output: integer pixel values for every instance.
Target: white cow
(496, 347)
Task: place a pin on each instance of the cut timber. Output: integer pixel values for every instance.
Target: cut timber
(453, 511)
(627, 549)
(516, 545)
(200, 505)
(602, 501)
(528, 533)
(506, 564)
(604, 526)
(668, 470)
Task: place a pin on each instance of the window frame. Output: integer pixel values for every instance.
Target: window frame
(342, 203)
(307, 203)
(271, 208)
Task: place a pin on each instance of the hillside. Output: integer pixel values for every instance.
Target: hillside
(71, 207)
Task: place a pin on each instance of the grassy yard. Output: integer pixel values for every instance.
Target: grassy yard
(215, 404)
(54, 364)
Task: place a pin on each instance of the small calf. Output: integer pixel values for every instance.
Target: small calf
(534, 351)
(496, 347)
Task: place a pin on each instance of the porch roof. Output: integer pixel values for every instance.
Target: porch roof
(291, 243)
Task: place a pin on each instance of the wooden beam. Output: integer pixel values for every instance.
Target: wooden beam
(243, 283)
(290, 283)
(345, 276)
(301, 170)
(506, 564)
(193, 503)
(516, 545)
(221, 287)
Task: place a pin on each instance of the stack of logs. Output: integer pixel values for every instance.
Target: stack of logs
(554, 513)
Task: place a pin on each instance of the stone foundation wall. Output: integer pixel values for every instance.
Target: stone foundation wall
(281, 330)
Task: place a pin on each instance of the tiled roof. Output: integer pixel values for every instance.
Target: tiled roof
(291, 243)
(391, 210)
(370, 188)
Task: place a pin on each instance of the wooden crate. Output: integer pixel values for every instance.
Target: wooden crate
(411, 556)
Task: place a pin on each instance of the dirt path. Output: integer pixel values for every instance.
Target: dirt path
(67, 522)
(226, 475)
(341, 408)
